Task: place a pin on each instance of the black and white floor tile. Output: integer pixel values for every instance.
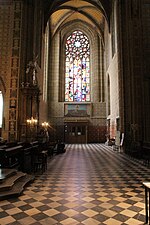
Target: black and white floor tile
(90, 184)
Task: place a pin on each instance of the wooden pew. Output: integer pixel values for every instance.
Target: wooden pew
(10, 156)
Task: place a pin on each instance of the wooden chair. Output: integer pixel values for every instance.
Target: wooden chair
(118, 142)
(40, 162)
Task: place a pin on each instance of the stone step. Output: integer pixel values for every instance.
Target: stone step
(17, 188)
(8, 183)
(5, 173)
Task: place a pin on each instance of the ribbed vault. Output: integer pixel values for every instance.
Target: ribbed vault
(92, 12)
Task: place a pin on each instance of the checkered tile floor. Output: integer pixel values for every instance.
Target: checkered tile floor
(89, 184)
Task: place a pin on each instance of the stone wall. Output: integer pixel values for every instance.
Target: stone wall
(146, 68)
(10, 43)
(97, 118)
(112, 77)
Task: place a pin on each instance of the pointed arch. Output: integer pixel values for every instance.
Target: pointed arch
(94, 39)
(2, 85)
(77, 68)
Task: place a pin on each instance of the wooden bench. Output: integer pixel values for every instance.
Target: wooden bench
(145, 154)
(10, 156)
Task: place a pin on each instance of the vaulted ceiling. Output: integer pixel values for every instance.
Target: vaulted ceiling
(92, 12)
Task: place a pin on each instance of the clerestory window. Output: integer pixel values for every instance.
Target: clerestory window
(77, 68)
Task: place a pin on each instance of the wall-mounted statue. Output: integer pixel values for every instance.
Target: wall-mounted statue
(31, 73)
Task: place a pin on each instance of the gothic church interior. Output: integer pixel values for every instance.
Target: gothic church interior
(77, 72)
(80, 66)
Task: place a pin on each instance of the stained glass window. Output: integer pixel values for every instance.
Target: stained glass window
(77, 77)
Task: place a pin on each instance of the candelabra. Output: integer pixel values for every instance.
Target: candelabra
(45, 125)
(31, 128)
(32, 121)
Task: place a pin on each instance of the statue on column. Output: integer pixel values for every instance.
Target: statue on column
(31, 73)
